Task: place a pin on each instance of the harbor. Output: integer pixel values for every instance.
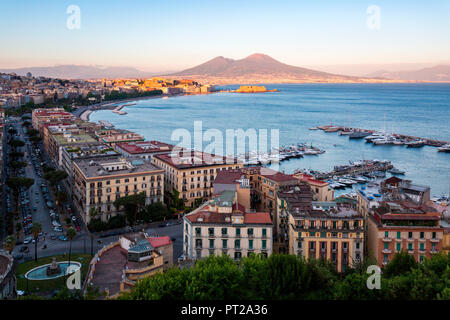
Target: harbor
(118, 109)
(385, 138)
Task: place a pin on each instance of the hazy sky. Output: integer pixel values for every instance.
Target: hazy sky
(154, 35)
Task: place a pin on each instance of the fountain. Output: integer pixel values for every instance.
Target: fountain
(53, 269)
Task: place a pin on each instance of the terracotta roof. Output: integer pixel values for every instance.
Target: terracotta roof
(392, 180)
(257, 218)
(217, 217)
(228, 176)
(159, 241)
(194, 159)
(275, 175)
(309, 178)
(406, 216)
(139, 147)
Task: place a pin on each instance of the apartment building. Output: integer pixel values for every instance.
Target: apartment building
(192, 173)
(99, 182)
(143, 149)
(41, 116)
(396, 226)
(223, 226)
(115, 136)
(321, 190)
(320, 230)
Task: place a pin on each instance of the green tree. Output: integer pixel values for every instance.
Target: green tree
(400, 264)
(9, 243)
(36, 229)
(54, 177)
(132, 205)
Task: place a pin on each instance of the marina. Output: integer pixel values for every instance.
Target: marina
(385, 138)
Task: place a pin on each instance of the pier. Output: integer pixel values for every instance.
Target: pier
(356, 168)
(427, 141)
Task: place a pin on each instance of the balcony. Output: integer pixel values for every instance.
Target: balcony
(434, 251)
(435, 240)
(385, 263)
(250, 235)
(386, 239)
(386, 251)
(224, 235)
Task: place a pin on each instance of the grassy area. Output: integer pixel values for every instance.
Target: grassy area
(47, 286)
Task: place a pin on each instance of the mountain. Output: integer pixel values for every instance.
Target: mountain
(259, 68)
(436, 73)
(80, 72)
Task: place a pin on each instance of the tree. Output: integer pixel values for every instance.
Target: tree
(70, 234)
(16, 143)
(400, 264)
(132, 205)
(9, 243)
(61, 198)
(55, 176)
(36, 229)
(15, 183)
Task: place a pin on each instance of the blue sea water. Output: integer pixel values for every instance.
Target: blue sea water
(414, 109)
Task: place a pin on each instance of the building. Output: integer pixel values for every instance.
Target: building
(192, 173)
(223, 226)
(115, 136)
(99, 182)
(320, 230)
(118, 266)
(321, 190)
(7, 276)
(396, 226)
(56, 115)
(143, 149)
(58, 138)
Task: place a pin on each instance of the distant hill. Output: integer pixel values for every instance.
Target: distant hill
(259, 68)
(80, 72)
(436, 73)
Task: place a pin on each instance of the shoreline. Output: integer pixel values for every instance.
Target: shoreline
(111, 105)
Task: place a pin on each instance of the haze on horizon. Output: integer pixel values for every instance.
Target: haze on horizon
(160, 36)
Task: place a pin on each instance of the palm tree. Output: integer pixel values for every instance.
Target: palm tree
(35, 230)
(9, 243)
(70, 234)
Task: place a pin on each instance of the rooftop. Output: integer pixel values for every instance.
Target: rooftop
(140, 147)
(113, 166)
(73, 138)
(192, 159)
(88, 150)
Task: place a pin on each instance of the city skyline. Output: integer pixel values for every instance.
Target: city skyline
(407, 34)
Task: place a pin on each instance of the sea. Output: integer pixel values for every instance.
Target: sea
(421, 110)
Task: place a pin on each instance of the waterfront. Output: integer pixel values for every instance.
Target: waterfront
(410, 109)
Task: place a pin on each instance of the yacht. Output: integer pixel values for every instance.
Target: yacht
(444, 148)
(396, 171)
(359, 134)
(415, 144)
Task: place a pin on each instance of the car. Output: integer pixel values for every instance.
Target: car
(74, 218)
(78, 228)
(18, 256)
(162, 225)
(34, 208)
(58, 229)
(55, 223)
(24, 249)
(27, 240)
(63, 238)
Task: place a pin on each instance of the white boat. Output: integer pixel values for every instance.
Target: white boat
(444, 148)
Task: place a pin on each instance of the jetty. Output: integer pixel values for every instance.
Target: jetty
(363, 167)
(118, 109)
(401, 137)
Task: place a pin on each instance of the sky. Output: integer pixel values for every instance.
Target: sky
(170, 35)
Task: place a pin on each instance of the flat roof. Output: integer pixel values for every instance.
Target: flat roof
(140, 147)
(193, 159)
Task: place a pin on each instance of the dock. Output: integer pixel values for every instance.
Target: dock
(356, 168)
(428, 142)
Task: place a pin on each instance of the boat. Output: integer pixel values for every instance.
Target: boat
(332, 129)
(444, 148)
(379, 174)
(359, 134)
(415, 144)
(373, 136)
(396, 171)
(313, 128)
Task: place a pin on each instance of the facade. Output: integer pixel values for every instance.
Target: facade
(55, 115)
(7, 276)
(223, 226)
(404, 226)
(192, 173)
(321, 190)
(99, 182)
(143, 149)
(320, 230)
(115, 136)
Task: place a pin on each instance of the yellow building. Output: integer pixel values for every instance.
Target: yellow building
(192, 173)
(98, 182)
(320, 230)
(321, 190)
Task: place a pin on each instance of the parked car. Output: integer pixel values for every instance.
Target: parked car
(52, 236)
(58, 229)
(27, 240)
(24, 249)
(63, 238)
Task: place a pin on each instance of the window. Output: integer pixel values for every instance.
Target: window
(198, 231)
(264, 232)
(422, 235)
(299, 244)
(264, 244)
(238, 232)
(211, 231)
(250, 244)
(198, 243)
(224, 231)
(398, 234)
(434, 235)
(386, 234)
(224, 244)
(410, 235)
(357, 245)
(410, 247)
(334, 224)
(250, 231)
(237, 244)
(422, 246)
(311, 245)
(398, 247)
(237, 255)
(386, 246)
(211, 243)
